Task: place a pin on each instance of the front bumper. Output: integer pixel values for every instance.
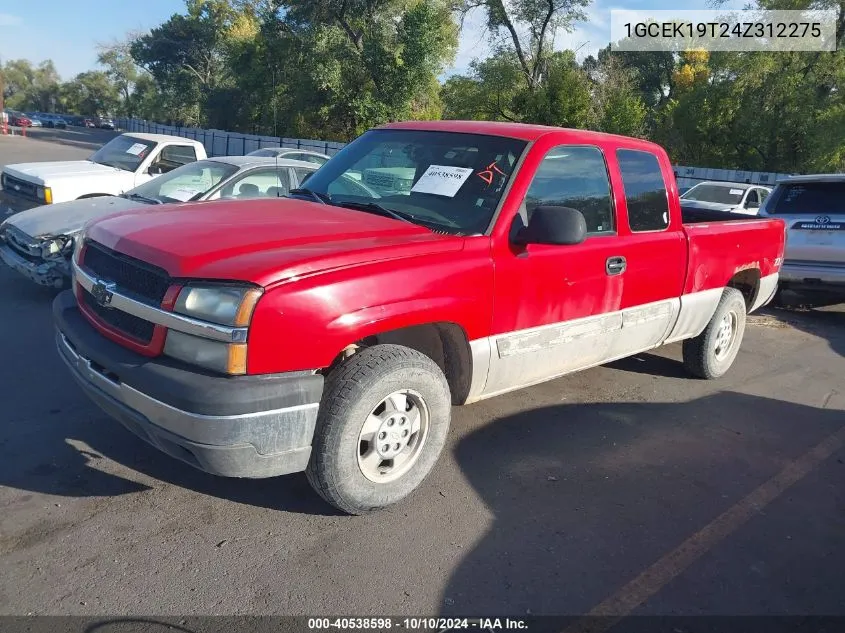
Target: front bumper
(44, 273)
(245, 426)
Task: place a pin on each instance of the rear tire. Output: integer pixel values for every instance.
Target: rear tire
(382, 425)
(711, 354)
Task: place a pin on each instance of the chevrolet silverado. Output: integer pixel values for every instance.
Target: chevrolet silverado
(332, 332)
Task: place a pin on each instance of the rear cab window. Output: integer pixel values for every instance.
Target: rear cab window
(574, 176)
(645, 190)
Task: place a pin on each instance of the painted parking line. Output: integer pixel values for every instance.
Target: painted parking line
(609, 612)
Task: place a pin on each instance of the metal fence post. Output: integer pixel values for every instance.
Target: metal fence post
(227, 144)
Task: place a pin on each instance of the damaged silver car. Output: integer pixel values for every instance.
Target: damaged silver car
(39, 242)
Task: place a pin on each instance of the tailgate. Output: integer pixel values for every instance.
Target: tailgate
(718, 251)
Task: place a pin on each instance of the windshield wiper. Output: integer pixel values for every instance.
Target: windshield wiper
(140, 198)
(302, 191)
(377, 208)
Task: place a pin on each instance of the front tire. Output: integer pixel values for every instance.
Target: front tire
(711, 354)
(383, 422)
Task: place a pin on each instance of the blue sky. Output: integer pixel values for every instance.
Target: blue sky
(68, 32)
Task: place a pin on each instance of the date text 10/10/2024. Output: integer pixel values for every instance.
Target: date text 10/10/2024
(427, 624)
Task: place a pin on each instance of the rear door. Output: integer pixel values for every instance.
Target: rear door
(652, 243)
(814, 213)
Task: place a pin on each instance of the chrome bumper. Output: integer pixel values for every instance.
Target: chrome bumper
(812, 274)
(243, 445)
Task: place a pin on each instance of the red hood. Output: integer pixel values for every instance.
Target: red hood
(262, 241)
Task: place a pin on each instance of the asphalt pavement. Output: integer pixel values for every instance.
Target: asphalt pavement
(626, 489)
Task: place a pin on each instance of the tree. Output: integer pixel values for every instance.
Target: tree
(187, 54)
(618, 104)
(120, 68)
(528, 28)
(358, 63)
(91, 93)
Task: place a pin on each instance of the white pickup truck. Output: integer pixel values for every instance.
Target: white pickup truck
(121, 164)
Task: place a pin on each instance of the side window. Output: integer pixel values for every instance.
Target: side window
(752, 199)
(178, 155)
(265, 183)
(573, 176)
(645, 190)
(763, 194)
(302, 173)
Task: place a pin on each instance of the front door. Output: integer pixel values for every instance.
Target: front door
(557, 308)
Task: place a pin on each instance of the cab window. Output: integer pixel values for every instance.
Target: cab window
(645, 190)
(574, 176)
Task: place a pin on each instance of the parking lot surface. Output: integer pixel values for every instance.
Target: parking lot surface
(629, 488)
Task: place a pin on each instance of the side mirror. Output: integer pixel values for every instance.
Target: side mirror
(553, 225)
(752, 204)
(155, 170)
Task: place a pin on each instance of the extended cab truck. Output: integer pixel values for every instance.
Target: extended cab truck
(332, 332)
(124, 162)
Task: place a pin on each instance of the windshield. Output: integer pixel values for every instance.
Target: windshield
(715, 193)
(123, 152)
(442, 180)
(184, 183)
(818, 198)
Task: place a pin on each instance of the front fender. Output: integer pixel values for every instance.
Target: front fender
(305, 324)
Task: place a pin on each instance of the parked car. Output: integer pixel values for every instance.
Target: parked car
(293, 154)
(726, 196)
(331, 332)
(121, 164)
(105, 124)
(88, 123)
(53, 121)
(18, 119)
(38, 242)
(34, 121)
(813, 208)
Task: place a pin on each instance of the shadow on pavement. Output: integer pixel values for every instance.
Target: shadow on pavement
(827, 323)
(52, 438)
(584, 497)
(653, 365)
(57, 461)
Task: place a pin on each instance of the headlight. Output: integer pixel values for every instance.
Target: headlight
(223, 305)
(45, 194)
(226, 358)
(59, 245)
(50, 247)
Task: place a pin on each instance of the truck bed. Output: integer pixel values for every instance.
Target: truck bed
(699, 216)
(723, 244)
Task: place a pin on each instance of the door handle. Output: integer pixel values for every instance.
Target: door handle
(615, 265)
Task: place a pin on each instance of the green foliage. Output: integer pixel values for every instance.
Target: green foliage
(333, 68)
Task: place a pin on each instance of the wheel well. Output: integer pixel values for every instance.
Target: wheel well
(747, 282)
(445, 343)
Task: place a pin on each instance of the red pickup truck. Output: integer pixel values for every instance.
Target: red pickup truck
(332, 332)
